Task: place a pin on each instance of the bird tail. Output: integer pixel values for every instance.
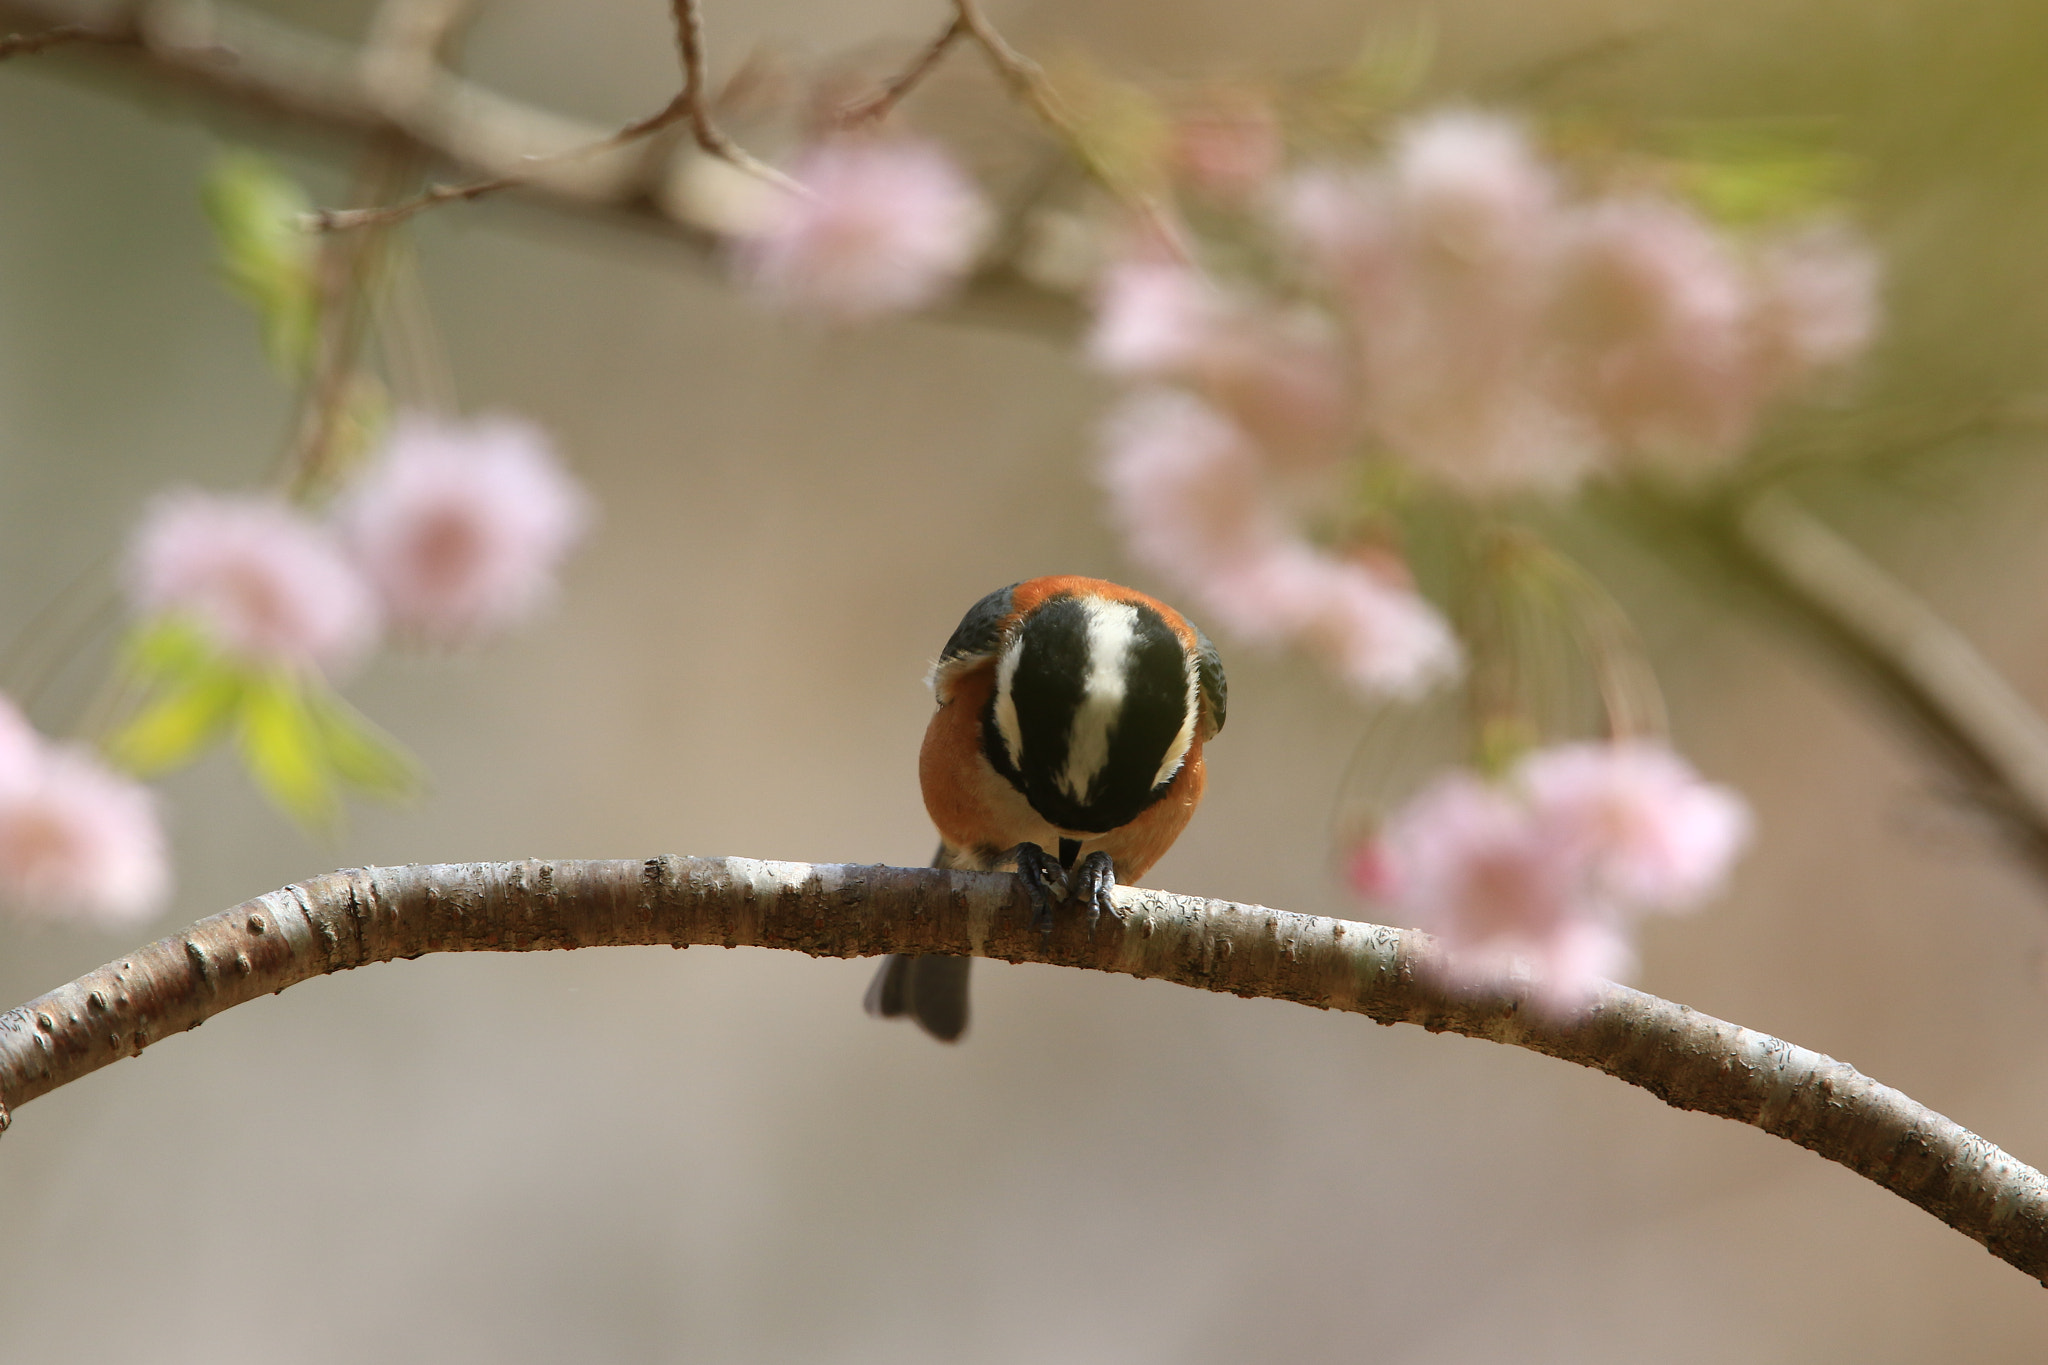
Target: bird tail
(931, 989)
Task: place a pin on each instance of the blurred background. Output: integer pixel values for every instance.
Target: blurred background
(645, 1155)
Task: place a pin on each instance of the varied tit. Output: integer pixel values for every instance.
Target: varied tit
(1067, 746)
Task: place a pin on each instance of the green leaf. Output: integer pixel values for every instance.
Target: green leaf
(1753, 173)
(362, 755)
(169, 649)
(179, 722)
(302, 744)
(284, 750)
(269, 260)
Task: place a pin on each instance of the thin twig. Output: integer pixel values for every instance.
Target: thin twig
(293, 79)
(689, 106)
(350, 919)
(695, 99)
(389, 215)
(349, 272)
(1027, 81)
(879, 104)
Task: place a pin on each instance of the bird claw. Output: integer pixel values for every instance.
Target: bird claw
(1092, 884)
(1045, 882)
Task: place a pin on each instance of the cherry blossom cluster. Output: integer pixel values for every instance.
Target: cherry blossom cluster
(77, 840)
(1456, 317)
(1545, 870)
(879, 224)
(455, 531)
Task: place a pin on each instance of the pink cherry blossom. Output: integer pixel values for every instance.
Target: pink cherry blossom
(1185, 486)
(1473, 191)
(1655, 309)
(1339, 222)
(1468, 861)
(1284, 378)
(1654, 835)
(1228, 147)
(20, 745)
(1280, 374)
(79, 841)
(1153, 318)
(462, 526)
(1382, 638)
(1458, 374)
(1442, 272)
(1547, 868)
(882, 225)
(263, 581)
(1819, 302)
(1511, 338)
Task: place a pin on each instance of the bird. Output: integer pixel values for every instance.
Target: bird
(1066, 746)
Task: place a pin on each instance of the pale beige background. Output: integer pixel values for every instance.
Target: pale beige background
(650, 1156)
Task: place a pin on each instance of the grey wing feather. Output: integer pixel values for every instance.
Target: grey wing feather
(1215, 688)
(981, 630)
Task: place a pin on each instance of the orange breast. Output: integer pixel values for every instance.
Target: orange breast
(947, 766)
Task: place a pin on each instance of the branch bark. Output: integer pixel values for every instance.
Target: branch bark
(363, 915)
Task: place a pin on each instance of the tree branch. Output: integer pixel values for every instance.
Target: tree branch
(285, 74)
(28, 44)
(347, 919)
(689, 105)
(1975, 725)
(878, 105)
(291, 77)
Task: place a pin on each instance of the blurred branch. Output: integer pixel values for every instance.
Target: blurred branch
(694, 103)
(690, 105)
(1987, 736)
(1025, 78)
(1027, 82)
(237, 59)
(352, 918)
(349, 279)
(28, 44)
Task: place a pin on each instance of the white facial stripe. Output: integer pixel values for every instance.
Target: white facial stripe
(1006, 702)
(1112, 634)
(1178, 750)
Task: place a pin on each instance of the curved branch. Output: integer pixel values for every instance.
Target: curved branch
(347, 919)
(1992, 739)
(1988, 738)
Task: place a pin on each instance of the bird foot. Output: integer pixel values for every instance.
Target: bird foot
(1045, 882)
(1048, 882)
(1091, 884)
